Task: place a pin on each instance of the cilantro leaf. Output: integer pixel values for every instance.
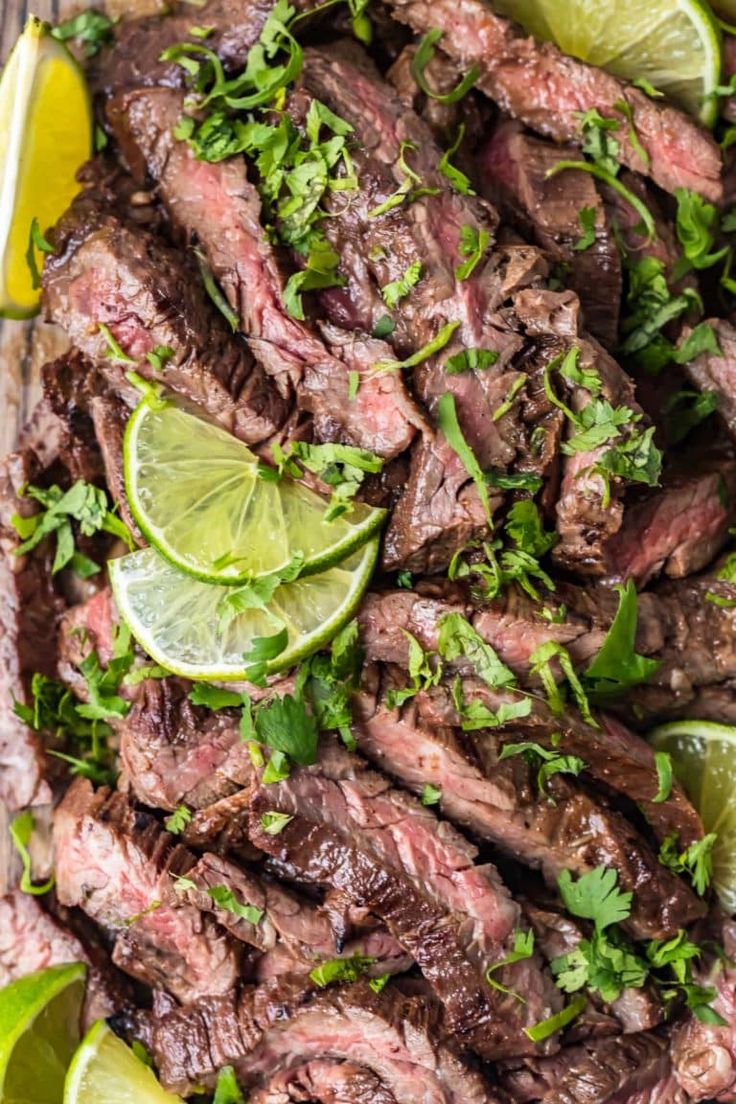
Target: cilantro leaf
(224, 898)
(595, 896)
(663, 763)
(470, 360)
(684, 410)
(457, 178)
(431, 795)
(458, 638)
(523, 948)
(423, 56)
(214, 697)
(340, 969)
(285, 725)
(540, 664)
(393, 293)
(696, 225)
(473, 244)
(227, 1090)
(411, 187)
(262, 651)
(91, 27)
(450, 426)
(617, 665)
(548, 763)
(545, 1028)
(587, 216)
(695, 860)
(177, 822)
(21, 830)
(273, 823)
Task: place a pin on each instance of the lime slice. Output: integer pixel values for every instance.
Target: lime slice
(195, 492)
(673, 44)
(45, 136)
(178, 620)
(704, 757)
(39, 1032)
(106, 1071)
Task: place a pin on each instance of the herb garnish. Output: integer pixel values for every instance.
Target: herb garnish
(410, 189)
(587, 216)
(523, 948)
(227, 1090)
(21, 830)
(178, 820)
(274, 823)
(36, 241)
(450, 426)
(91, 27)
(340, 969)
(696, 860)
(473, 244)
(83, 503)
(457, 178)
(617, 666)
(422, 58)
(547, 763)
(393, 293)
(224, 898)
(470, 360)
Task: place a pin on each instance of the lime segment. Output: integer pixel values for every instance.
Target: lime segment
(106, 1070)
(45, 136)
(39, 1032)
(704, 757)
(196, 494)
(673, 44)
(178, 620)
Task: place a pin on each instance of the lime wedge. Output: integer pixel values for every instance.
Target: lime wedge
(178, 620)
(45, 136)
(704, 757)
(39, 1032)
(673, 44)
(106, 1071)
(196, 494)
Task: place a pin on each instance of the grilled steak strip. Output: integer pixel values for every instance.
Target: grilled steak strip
(276, 1027)
(499, 801)
(633, 1069)
(717, 373)
(116, 864)
(149, 295)
(513, 168)
(704, 1055)
(353, 833)
(325, 1082)
(549, 91)
(216, 205)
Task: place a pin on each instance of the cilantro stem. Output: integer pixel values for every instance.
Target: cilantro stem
(595, 170)
(423, 57)
(542, 1030)
(447, 417)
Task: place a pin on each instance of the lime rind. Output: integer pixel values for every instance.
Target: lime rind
(37, 1036)
(105, 1069)
(676, 46)
(195, 493)
(175, 617)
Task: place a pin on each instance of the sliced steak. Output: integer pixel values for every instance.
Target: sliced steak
(351, 832)
(216, 205)
(704, 1055)
(149, 295)
(116, 865)
(175, 753)
(678, 529)
(549, 92)
(325, 1082)
(397, 1041)
(514, 167)
(633, 1069)
(499, 801)
(717, 373)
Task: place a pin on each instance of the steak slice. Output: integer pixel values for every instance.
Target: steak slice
(116, 864)
(352, 832)
(632, 1069)
(514, 167)
(704, 1055)
(499, 801)
(549, 92)
(325, 1082)
(397, 1041)
(717, 373)
(31, 939)
(175, 753)
(149, 295)
(216, 205)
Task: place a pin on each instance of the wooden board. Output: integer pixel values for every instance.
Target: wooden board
(25, 346)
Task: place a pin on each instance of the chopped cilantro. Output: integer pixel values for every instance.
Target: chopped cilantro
(696, 224)
(93, 28)
(340, 969)
(596, 170)
(262, 651)
(159, 356)
(422, 58)
(523, 948)
(177, 822)
(434, 346)
(617, 666)
(114, 349)
(546, 762)
(696, 860)
(227, 1090)
(470, 360)
(21, 830)
(384, 327)
(684, 410)
(224, 898)
(508, 402)
(214, 697)
(448, 422)
(321, 272)
(353, 384)
(410, 189)
(397, 290)
(342, 467)
(215, 292)
(587, 216)
(273, 823)
(457, 178)
(540, 663)
(598, 141)
(458, 638)
(425, 670)
(473, 244)
(36, 241)
(285, 725)
(663, 763)
(277, 768)
(431, 795)
(545, 1028)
